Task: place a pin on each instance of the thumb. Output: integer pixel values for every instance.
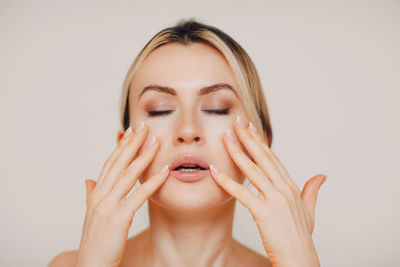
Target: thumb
(310, 192)
(90, 185)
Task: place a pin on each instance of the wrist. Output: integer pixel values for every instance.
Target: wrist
(295, 263)
(306, 259)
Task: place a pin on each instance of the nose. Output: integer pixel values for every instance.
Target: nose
(188, 130)
(183, 139)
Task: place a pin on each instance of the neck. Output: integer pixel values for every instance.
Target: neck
(196, 238)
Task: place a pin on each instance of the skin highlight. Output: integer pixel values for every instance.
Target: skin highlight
(185, 96)
(190, 223)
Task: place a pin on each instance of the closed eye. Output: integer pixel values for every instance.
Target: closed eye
(217, 111)
(156, 113)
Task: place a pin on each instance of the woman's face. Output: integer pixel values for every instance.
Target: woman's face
(187, 126)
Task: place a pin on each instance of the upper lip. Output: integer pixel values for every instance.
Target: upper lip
(189, 159)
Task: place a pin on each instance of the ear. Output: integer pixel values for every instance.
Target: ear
(120, 134)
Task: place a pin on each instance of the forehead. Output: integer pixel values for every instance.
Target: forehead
(183, 67)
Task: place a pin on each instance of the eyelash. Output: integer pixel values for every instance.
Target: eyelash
(210, 111)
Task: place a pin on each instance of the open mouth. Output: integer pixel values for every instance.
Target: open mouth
(189, 168)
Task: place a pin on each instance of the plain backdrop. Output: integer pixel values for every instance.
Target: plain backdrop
(331, 75)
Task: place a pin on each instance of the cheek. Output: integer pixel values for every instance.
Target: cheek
(163, 132)
(219, 155)
(211, 130)
(159, 129)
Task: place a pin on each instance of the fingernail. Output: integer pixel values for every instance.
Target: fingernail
(230, 135)
(252, 128)
(151, 141)
(240, 121)
(164, 168)
(128, 132)
(213, 168)
(139, 127)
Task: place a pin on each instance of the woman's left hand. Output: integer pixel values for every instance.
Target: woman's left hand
(284, 215)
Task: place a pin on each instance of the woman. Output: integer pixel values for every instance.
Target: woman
(195, 125)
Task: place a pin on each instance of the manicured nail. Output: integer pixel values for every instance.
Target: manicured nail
(151, 141)
(230, 135)
(240, 121)
(164, 168)
(213, 168)
(252, 128)
(139, 127)
(128, 132)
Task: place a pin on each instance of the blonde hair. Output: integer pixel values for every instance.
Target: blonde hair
(188, 31)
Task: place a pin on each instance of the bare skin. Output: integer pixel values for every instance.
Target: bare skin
(134, 251)
(241, 256)
(190, 223)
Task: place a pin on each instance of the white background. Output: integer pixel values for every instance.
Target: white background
(331, 75)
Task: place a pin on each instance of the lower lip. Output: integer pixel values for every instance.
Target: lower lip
(189, 176)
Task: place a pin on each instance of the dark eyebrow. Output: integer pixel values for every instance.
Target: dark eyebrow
(203, 91)
(158, 88)
(216, 87)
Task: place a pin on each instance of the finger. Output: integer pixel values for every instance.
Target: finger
(143, 192)
(261, 156)
(129, 177)
(238, 191)
(253, 173)
(276, 160)
(122, 160)
(114, 154)
(130, 133)
(310, 192)
(90, 185)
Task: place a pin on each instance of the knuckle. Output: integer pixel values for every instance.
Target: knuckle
(132, 144)
(253, 168)
(137, 140)
(126, 174)
(107, 162)
(236, 150)
(118, 163)
(264, 154)
(102, 209)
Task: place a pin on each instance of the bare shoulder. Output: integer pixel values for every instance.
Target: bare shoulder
(65, 259)
(250, 257)
(133, 254)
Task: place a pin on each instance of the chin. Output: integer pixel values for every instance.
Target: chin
(203, 195)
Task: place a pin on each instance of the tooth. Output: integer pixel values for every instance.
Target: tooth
(188, 169)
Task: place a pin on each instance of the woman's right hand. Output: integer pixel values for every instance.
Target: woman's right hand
(110, 211)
